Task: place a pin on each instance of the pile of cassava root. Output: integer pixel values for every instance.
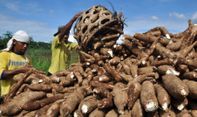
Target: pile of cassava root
(151, 74)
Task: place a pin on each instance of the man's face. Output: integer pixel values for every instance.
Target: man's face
(20, 47)
(65, 38)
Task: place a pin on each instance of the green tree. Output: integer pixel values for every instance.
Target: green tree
(4, 39)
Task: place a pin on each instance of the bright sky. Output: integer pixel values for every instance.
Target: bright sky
(41, 18)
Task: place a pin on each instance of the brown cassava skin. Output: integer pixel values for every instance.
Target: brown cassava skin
(22, 113)
(40, 87)
(133, 67)
(97, 113)
(137, 110)
(126, 68)
(146, 38)
(100, 84)
(126, 77)
(138, 52)
(192, 85)
(90, 102)
(192, 63)
(101, 71)
(175, 46)
(98, 57)
(30, 114)
(106, 102)
(69, 105)
(162, 69)
(115, 60)
(109, 44)
(175, 86)
(182, 68)
(42, 111)
(101, 92)
(111, 113)
(34, 105)
(194, 113)
(68, 80)
(134, 89)
(30, 106)
(134, 70)
(154, 32)
(59, 74)
(165, 61)
(104, 51)
(192, 54)
(120, 97)
(162, 96)
(163, 41)
(163, 31)
(190, 75)
(112, 72)
(56, 88)
(184, 52)
(78, 76)
(15, 105)
(97, 45)
(14, 88)
(84, 57)
(144, 70)
(78, 113)
(168, 113)
(110, 37)
(22, 89)
(126, 114)
(147, 76)
(53, 110)
(166, 53)
(128, 44)
(102, 78)
(149, 51)
(148, 96)
(184, 113)
(77, 67)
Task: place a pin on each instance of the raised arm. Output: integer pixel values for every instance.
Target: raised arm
(66, 29)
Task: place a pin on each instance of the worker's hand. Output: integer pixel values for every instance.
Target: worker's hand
(26, 68)
(74, 47)
(11, 73)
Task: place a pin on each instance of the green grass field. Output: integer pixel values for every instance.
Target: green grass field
(41, 58)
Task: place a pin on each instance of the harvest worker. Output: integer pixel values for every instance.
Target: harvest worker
(13, 60)
(61, 47)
